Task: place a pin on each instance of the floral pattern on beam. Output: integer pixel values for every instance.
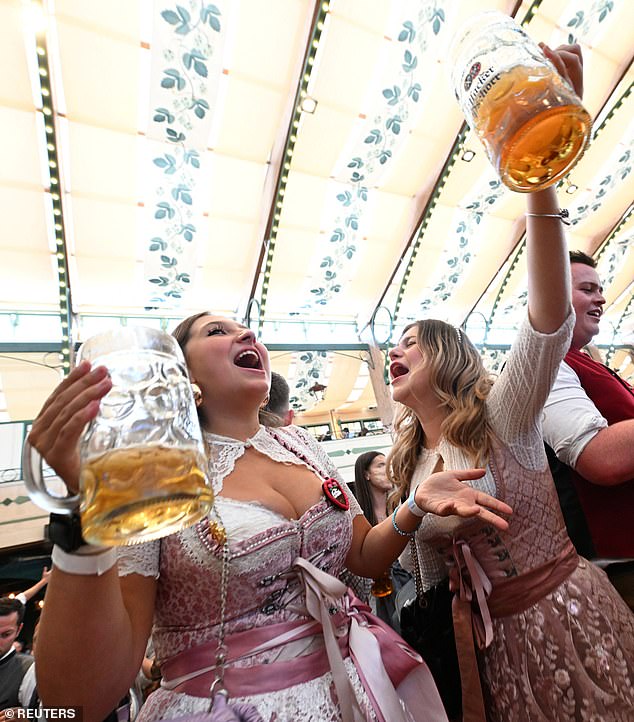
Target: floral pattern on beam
(186, 68)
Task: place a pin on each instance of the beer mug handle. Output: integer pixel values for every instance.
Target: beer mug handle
(36, 487)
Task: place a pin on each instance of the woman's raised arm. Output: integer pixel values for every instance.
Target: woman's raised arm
(547, 251)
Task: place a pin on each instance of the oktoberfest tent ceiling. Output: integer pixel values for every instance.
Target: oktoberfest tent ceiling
(300, 164)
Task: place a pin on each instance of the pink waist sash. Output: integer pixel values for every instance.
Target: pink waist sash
(509, 596)
(382, 659)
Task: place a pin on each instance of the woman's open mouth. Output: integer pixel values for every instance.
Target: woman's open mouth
(248, 359)
(397, 370)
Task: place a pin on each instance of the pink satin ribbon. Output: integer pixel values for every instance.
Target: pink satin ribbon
(509, 596)
(382, 659)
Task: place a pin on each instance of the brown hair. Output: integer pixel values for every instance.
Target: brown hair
(460, 381)
(361, 488)
(581, 257)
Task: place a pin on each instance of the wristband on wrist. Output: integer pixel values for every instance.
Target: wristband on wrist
(413, 506)
(64, 530)
(85, 560)
(398, 529)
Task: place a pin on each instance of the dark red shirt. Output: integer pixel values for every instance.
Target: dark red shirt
(609, 510)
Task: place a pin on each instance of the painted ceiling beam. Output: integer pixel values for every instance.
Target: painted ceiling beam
(279, 164)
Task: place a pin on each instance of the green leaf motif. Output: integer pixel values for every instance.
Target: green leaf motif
(352, 222)
(173, 79)
(408, 33)
(338, 235)
(200, 107)
(392, 94)
(394, 124)
(438, 19)
(162, 114)
(171, 17)
(577, 20)
(181, 192)
(192, 156)
(411, 61)
(374, 136)
(157, 244)
(414, 92)
(160, 281)
(209, 14)
(173, 136)
(164, 210)
(345, 198)
(167, 162)
(356, 162)
(187, 231)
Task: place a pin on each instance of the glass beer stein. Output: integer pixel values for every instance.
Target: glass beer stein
(531, 122)
(142, 461)
(382, 586)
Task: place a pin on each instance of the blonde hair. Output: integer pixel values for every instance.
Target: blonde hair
(461, 383)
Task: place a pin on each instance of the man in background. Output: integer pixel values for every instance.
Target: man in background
(13, 664)
(589, 423)
(278, 403)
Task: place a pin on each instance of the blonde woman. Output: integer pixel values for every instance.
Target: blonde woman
(543, 628)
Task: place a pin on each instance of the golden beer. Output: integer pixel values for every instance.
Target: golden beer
(382, 586)
(532, 126)
(140, 493)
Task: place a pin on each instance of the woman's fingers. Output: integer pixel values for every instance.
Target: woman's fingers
(492, 503)
(58, 426)
(467, 474)
(568, 61)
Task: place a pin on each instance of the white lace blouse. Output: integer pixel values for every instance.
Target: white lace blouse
(242, 519)
(515, 406)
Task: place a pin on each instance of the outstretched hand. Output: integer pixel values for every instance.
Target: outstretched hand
(569, 63)
(445, 494)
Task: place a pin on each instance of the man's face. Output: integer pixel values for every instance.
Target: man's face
(588, 301)
(9, 630)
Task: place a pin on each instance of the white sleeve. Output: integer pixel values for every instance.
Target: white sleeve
(570, 418)
(27, 687)
(517, 398)
(140, 559)
(21, 598)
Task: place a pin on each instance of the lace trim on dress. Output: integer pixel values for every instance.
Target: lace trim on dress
(140, 559)
(223, 452)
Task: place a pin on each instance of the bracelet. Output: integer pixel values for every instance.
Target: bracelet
(397, 528)
(563, 215)
(86, 560)
(413, 506)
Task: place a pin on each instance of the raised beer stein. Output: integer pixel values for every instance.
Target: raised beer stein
(142, 460)
(532, 123)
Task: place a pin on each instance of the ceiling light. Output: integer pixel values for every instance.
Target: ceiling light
(308, 105)
(468, 156)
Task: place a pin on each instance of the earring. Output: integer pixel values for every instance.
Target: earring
(198, 394)
(265, 402)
